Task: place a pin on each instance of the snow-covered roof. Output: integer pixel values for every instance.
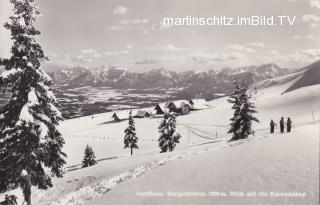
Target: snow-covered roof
(200, 104)
(141, 113)
(181, 103)
(177, 103)
(122, 114)
(163, 106)
(196, 104)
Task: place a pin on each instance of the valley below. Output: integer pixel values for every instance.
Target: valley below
(86, 91)
(88, 100)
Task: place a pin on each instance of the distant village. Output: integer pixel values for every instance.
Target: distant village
(180, 107)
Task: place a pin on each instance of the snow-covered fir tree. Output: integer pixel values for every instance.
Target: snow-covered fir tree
(168, 138)
(241, 122)
(9, 200)
(130, 138)
(30, 143)
(89, 159)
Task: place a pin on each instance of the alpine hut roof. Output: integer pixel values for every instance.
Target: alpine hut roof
(142, 113)
(199, 104)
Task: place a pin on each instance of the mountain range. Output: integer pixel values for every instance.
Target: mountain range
(191, 83)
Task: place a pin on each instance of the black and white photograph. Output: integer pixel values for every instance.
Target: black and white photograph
(159, 102)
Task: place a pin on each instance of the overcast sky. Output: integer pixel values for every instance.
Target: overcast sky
(128, 33)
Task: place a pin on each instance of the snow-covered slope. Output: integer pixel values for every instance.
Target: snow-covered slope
(287, 163)
(311, 76)
(272, 165)
(107, 138)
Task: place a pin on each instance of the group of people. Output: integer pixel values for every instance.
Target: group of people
(282, 124)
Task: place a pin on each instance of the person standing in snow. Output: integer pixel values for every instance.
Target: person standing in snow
(281, 125)
(289, 124)
(272, 125)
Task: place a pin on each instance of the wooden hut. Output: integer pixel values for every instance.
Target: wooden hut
(141, 114)
(115, 117)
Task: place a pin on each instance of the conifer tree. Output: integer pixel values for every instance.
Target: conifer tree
(168, 138)
(241, 122)
(89, 159)
(29, 138)
(130, 138)
(9, 200)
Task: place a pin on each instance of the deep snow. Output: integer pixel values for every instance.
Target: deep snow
(279, 163)
(282, 163)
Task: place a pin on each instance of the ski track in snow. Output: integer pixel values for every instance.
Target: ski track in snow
(86, 194)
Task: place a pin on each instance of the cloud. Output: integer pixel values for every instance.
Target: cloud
(301, 57)
(305, 55)
(315, 3)
(129, 46)
(163, 26)
(171, 58)
(313, 53)
(144, 25)
(120, 10)
(167, 47)
(151, 48)
(143, 29)
(210, 57)
(84, 56)
(291, 1)
(170, 47)
(296, 37)
(312, 19)
(134, 21)
(274, 52)
(146, 61)
(120, 28)
(132, 25)
(256, 44)
(88, 51)
(87, 55)
(116, 53)
(311, 37)
(159, 26)
(240, 48)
